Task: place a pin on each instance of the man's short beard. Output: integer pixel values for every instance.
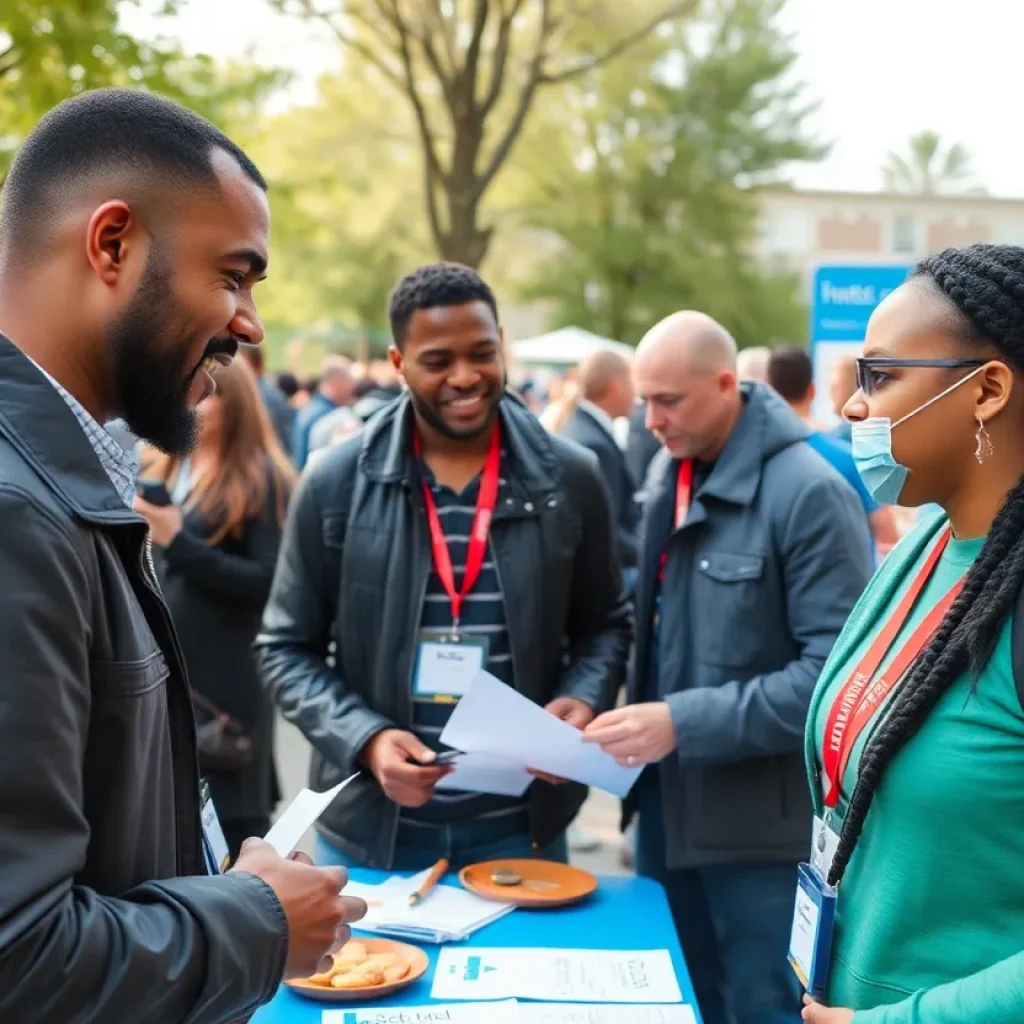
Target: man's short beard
(151, 384)
(437, 422)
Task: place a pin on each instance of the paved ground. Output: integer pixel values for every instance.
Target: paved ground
(599, 818)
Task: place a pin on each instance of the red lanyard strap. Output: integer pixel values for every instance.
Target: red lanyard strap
(859, 698)
(487, 499)
(684, 491)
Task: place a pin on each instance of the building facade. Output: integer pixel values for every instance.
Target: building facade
(801, 229)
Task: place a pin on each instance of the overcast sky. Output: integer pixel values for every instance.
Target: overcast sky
(882, 70)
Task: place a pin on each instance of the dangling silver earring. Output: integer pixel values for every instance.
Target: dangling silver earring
(984, 449)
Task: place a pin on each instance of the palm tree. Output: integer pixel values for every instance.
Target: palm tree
(928, 168)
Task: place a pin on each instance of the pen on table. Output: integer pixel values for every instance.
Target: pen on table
(429, 882)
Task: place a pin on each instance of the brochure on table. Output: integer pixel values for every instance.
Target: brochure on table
(448, 913)
(557, 975)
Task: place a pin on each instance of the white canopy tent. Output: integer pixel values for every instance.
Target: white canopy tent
(565, 347)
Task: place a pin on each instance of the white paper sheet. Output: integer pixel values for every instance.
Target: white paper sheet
(453, 1013)
(299, 815)
(557, 975)
(482, 773)
(493, 718)
(448, 914)
(575, 1013)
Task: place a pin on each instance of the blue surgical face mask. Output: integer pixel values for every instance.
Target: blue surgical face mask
(883, 476)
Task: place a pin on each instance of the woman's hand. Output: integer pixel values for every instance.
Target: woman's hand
(165, 521)
(815, 1013)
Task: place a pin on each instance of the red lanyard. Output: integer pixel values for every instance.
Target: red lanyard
(859, 699)
(684, 490)
(487, 499)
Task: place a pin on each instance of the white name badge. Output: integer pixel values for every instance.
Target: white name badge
(810, 941)
(447, 665)
(212, 832)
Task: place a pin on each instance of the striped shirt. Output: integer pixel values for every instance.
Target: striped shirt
(120, 464)
(483, 615)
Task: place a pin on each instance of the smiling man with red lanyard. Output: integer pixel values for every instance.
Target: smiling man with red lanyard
(454, 535)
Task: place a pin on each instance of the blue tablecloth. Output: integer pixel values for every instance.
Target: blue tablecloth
(624, 913)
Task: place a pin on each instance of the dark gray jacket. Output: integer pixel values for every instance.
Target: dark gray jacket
(759, 580)
(587, 430)
(354, 567)
(101, 915)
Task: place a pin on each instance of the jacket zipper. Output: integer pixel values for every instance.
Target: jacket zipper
(150, 582)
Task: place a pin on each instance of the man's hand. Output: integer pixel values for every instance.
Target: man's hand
(578, 714)
(635, 734)
(815, 1013)
(165, 521)
(388, 754)
(318, 915)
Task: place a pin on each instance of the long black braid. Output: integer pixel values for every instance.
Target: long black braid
(984, 285)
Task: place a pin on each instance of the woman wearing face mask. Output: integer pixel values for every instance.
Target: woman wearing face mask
(915, 740)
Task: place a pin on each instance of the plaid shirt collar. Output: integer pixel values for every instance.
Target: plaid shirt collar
(120, 464)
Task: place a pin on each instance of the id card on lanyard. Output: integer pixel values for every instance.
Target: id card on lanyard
(215, 846)
(856, 705)
(447, 661)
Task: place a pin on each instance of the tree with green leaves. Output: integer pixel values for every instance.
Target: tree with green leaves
(53, 49)
(646, 182)
(346, 223)
(471, 72)
(929, 167)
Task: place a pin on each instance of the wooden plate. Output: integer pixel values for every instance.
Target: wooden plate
(572, 884)
(417, 960)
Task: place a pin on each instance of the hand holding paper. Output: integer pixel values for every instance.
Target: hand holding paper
(299, 816)
(493, 719)
(635, 734)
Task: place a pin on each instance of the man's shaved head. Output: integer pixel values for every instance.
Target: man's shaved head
(686, 372)
(126, 144)
(696, 339)
(606, 379)
(599, 371)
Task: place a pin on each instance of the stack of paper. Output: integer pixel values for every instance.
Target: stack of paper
(448, 913)
(557, 975)
(493, 720)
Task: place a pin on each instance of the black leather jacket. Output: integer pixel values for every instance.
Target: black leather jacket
(354, 566)
(101, 915)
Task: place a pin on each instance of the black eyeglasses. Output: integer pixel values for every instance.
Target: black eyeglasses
(867, 381)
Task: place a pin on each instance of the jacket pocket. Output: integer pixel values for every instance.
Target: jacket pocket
(745, 806)
(129, 678)
(728, 589)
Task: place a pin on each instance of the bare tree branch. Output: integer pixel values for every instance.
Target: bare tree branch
(534, 77)
(351, 42)
(472, 64)
(9, 60)
(434, 170)
(621, 45)
(499, 62)
(447, 36)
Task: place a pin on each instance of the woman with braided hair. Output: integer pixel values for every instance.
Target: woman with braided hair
(915, 740)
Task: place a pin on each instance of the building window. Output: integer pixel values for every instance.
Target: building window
(904, 235)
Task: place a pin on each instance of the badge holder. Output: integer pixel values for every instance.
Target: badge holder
(814, 915)
(447, 662)
(215, 846)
